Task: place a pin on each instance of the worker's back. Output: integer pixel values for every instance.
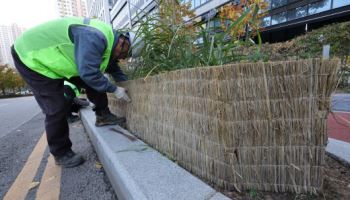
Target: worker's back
(48, 50)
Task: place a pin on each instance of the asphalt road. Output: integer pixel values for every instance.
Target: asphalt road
(16, 111)
(87, 181)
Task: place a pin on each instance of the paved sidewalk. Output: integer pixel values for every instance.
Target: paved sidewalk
(339, 126)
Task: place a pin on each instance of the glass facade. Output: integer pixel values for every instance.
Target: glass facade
(297, 13)
(290, 14)
(278, 3)
(268, 4)
(279, 18)
(303, 11)
(340, 3)
(214, 23)
(319, 6)
(266, 21)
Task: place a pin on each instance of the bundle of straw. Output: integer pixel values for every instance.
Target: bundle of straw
(242, 126)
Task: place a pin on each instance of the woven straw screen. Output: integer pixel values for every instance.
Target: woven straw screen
(244, 126)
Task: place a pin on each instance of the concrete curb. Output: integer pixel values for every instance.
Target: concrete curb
(339, 150)
(139, 172)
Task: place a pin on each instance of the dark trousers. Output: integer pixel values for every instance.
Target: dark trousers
(99, 99)
(69, 94)
(49, 93)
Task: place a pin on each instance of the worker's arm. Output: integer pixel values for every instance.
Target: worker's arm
(90, 44)
(117, 74)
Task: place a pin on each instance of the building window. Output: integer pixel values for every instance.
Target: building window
(319, 6)
(340, 3)
(197, 3)
(279, 18)
(268, 4)
(214, 23)
(278, 3)
(266, 21)
(297, 13)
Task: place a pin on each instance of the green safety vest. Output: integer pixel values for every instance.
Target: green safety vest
(74, 88)
(48, 50)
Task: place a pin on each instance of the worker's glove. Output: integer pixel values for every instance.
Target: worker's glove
(120, 93)
(81, 102)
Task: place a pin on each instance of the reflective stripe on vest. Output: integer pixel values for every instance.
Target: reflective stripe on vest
(74, 88)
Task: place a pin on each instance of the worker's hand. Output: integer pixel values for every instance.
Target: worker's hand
(120, 93)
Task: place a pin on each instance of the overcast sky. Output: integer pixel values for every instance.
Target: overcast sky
(27, 13)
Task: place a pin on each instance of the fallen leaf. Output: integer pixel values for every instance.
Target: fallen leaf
(98, 165)
(33, 185)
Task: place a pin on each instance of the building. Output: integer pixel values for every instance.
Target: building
(284, 19)
(289, 18)
(116, 12)
(126, 13)
(8, 35)
(72, 8)
(99, 9)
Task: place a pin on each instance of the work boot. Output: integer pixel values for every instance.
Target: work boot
(69, 159)
(105, 117)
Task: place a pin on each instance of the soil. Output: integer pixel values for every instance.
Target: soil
(336, 186)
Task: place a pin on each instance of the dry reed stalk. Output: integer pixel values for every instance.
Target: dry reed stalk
(242, 126)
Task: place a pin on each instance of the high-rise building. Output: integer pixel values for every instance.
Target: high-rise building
(72, 8)
(99, 9)
(8, 35)
(126, 13)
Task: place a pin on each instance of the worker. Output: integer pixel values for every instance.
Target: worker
(73, 101)
(79, 50)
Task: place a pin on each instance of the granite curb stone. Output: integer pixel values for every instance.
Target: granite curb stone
(137, 171)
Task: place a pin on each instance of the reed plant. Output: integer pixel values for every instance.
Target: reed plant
(170, 42)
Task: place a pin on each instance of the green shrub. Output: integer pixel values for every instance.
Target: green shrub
(310, 44)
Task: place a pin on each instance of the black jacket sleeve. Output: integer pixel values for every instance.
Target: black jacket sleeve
(90, 44)
(117, 74)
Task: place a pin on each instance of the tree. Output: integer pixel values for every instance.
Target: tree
(19, 82)
(3, 69)
(254, 11)
(10, 80)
